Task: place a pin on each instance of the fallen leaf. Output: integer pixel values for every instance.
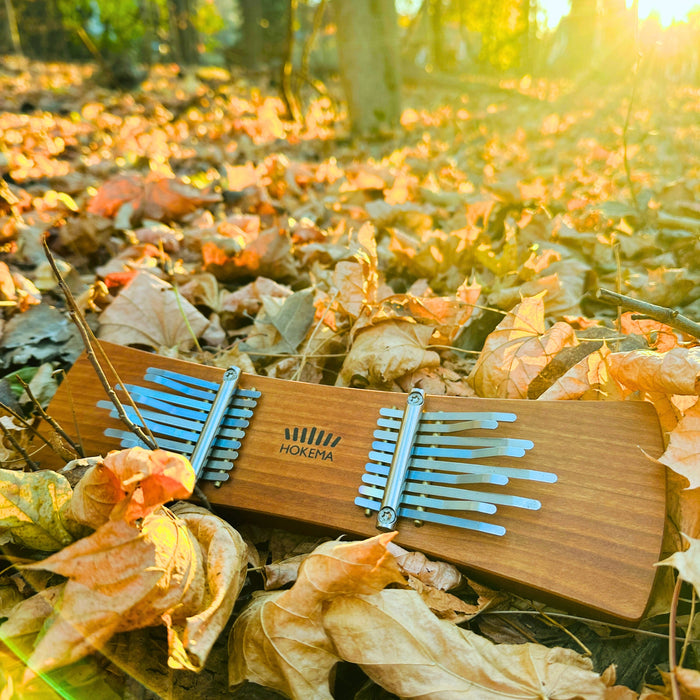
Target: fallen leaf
(385, 352)
(225, 557)
(517, 351)
(682, 453)
(120, 578)
(589, 379)
(674, 372)
(439, 574)
(279, 641)
(404, 648)
(33, 509)
(136, 480)
(150, 312)
(155, 197)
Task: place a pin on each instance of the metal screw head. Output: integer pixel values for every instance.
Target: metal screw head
(386, 517)
(414, 398)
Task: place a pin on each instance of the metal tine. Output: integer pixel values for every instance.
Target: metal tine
(471, 468)
(427, 502)
(451, 415)
(462, 494)
(162, 421)
(438, 440)
(217, 476)
(241, 408)
(196, 381)
(425, 427)
(182, 388)
(457, 454)
(433, 477)
(221, 451)
(440, 518)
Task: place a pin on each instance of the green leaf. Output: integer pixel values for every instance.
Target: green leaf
(31, 505)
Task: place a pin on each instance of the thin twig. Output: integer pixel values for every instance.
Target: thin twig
(552, 621)
(686, 641)
(663, 314)
(30, 463)
(28, 426)
(625, 133)
(51, 421)
(675, 690)
(90, 343)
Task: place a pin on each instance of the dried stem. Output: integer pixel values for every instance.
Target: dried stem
(11, 439)
(52, 422)
(663, 314)
(28, 426)
(675, 690)
(90, 343)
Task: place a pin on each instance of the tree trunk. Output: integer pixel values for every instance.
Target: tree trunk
(252, 12)
(369, 63)
(12, 26)
(183, 33)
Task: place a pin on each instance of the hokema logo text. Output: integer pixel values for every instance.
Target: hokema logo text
(312, 443)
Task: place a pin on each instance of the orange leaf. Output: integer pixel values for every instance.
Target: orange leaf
(139, 480)
(674, 372)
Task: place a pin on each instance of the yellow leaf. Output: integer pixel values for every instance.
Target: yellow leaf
(404, 648)
(682, 453)
(32, 509)
(687, 562)
(279, 640)
(517, 351)
(674, 372)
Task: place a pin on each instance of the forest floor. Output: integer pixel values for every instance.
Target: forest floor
(459, 254)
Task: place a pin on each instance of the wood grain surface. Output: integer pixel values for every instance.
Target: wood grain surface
(590, 548)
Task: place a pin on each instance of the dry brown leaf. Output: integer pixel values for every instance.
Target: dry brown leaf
(682, 453)
(404, 648)
(136, 480)
(517, 351)
(439, 574)
(689, 682)
(279, 640)
(674, 372)
(120, 578)
(225, 556)
(589, 379)
(383, 353)
(150, 312)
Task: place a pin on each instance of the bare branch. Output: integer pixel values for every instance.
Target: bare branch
(663, 314)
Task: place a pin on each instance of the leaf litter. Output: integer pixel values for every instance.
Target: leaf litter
(456, 257)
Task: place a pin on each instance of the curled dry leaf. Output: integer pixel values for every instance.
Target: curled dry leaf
(385, 352)
(279, 640)
(225, 562)
(682, 453)
(120, 578)
(33, 509)
(439, 574)
(517, 351)
(674, 372)
(403, 647)
(150, 312)
(136, 479)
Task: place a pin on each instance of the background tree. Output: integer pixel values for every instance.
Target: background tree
(369, 63)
